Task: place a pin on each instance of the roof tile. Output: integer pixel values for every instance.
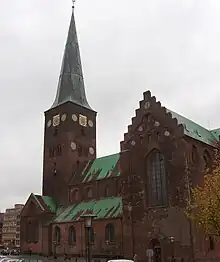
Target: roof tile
(104, 208)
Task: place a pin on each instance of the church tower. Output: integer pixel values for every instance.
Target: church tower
(70, 125)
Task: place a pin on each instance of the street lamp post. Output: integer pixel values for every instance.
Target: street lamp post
(88, 226)
(172, 239)
(54, 249)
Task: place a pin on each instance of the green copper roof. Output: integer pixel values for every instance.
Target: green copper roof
(104, 208)
(101, 168)
(194, 130)
(216, 133)
(71, 83)
(50, 202)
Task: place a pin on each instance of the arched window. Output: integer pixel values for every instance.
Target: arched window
(207, 159)
(109, 233)
(157, 179)
(57, 235)
(89, 192)
(106, 192)
(74, 195)
(72, 236)
(194, 155)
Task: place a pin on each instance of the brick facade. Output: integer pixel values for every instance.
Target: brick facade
(152, 211)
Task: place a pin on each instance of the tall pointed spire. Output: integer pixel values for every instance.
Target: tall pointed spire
(71, 84)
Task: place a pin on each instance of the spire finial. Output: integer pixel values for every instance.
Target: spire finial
(73, 3)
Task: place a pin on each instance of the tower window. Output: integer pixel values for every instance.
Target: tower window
(55, 131)
(59, 150)
(51, 152)
(79, 150)
(83, 131)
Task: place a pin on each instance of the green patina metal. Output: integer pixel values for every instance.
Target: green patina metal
(102, 167)
(216, 133)
(196, 131)
(50, 202)
(104, 208)
(71, 84)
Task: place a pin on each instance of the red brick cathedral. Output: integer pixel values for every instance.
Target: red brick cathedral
(137, 195)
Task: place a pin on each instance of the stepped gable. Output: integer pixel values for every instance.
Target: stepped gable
(148, 106)
(176, 122)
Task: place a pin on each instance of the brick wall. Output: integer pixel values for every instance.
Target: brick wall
(99, 247)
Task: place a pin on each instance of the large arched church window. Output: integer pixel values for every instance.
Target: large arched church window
(72, 236)
(157, 187)
(57, 235)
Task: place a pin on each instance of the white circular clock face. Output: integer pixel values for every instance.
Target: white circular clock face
(49, 123)
(63, 117)
(73, 145)
(91, 150)
(90, 123)
(74, 117)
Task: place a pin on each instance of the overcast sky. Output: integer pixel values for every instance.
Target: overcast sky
(127, 47)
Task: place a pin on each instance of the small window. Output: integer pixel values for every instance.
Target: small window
(83, 131)
(59, 150)
(57, 235)
(211, 243)
(55, 131)
(149, 138)
(106, 192)
(89, 192)
(207, 160)
(158, 136)
(72, 236)
(79, 150)
(109, 233)
(74, 195)
(194, 155)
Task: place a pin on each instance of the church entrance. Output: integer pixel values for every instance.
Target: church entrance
(156, 247)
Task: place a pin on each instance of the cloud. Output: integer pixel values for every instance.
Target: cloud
(126, 47)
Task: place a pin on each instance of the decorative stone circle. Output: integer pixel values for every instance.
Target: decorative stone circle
(73, 146)
(63, 117)
(147, 105)
(74, 117)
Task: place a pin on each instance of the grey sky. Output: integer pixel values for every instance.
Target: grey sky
(127, 47)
